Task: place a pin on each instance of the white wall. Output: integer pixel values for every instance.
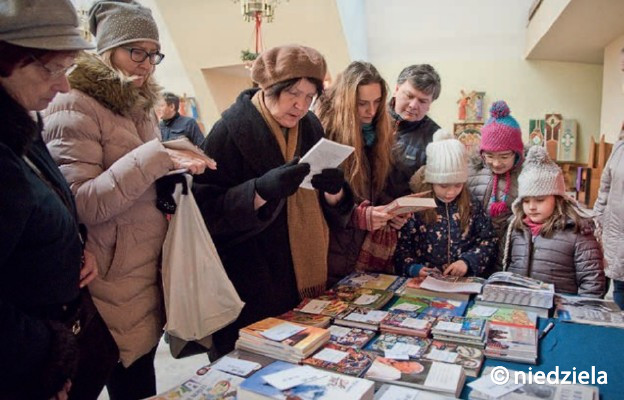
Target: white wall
(612, 112)
(480, 45)
(353, 19)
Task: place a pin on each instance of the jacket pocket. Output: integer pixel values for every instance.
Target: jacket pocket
(122, 244)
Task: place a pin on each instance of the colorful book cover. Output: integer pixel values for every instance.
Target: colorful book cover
(361, 297)
(208, 383)
(470, 358)
(508, 316)
(386, 341)
(434, 306)
(353, 337)
(331, 386)
(342, 359)
(368, 280)
(407, 323)
(473, 328)
(328, 307)
(317, 320)
(364, 315)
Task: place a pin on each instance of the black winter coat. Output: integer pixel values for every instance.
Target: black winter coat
(260, 267)
(40, 259)
(409, 152)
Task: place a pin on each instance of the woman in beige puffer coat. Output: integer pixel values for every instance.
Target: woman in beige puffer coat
(103, 134)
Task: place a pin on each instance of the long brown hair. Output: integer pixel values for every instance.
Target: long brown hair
(563, 212)
(338, 112)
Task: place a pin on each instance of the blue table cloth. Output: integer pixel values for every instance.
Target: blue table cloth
(570, 345)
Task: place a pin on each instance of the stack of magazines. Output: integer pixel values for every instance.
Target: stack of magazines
(511, 343)
(460, 330)
(517, 291)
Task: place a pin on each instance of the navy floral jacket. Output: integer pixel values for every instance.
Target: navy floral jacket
(442, 243)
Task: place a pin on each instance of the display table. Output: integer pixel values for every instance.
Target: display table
(570, 345)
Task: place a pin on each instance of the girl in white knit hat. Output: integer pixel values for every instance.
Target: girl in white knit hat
(455, 238)
(546, 240)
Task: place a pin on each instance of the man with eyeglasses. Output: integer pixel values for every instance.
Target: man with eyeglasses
(172, 124)
(417, 87)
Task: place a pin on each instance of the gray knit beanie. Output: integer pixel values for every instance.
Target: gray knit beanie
(115, 23)
(41, 24)
(540, 176)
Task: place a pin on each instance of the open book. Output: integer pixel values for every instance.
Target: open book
(410, 203)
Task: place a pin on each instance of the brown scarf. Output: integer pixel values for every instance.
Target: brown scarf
(308, 233)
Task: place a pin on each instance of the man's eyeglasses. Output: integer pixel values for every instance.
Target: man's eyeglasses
(54, 73)
(140, 55)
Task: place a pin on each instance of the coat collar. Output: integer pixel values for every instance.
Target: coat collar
(19, 127)
(116, 92)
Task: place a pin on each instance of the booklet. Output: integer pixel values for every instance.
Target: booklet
(410, 203)
(324, 154)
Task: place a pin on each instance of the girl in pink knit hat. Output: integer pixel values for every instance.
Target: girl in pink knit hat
(493, 175)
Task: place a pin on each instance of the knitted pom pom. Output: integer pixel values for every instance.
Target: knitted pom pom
(498, 208)
(442, 134)
(537, 155)
(499, 109)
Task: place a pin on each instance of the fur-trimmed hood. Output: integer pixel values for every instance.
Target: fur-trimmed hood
(113, 90)
(19, 128)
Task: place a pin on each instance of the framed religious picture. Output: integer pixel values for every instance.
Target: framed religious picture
(469, 133)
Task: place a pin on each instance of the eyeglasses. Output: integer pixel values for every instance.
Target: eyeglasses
(54, 73)
(140, 55)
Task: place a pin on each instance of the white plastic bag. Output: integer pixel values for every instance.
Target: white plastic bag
(199, 297)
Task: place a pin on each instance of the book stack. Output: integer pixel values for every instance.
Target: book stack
(422, 374)
(433, 306)
(446, 286)
(411, 346)
(281, 380)
(410, 323)
(469, 357)
(282, 340)
(462, 330)
(327, 307)
(353, 337)
(320, 321)
(360, 317)
(370, 280)
(506, 289)
(504, 315)
(512, 343)
(341, 359)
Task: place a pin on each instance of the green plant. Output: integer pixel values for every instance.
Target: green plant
(247, 55)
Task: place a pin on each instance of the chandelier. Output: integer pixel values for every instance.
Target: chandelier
(253, 10)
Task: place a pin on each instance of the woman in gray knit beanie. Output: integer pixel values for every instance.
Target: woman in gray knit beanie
(546, 240)
(105, 136)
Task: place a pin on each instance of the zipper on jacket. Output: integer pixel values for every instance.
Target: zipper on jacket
(448, 235)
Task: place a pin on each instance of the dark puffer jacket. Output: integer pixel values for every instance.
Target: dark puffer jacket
(443, 242)
(480, 183)
(571, 261)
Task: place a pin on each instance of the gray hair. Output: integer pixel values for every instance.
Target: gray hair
(423, 77)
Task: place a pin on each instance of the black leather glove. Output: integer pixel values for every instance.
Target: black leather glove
(330, 180)
(165, 187)
(282, 181)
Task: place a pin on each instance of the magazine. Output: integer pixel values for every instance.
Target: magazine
(207, 383)
(452, 284)
(509, 278)
(586, 310)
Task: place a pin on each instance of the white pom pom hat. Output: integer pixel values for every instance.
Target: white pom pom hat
(447, 161)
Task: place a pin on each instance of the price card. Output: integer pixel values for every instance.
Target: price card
(293, 377)
(483, 311)
(442, 355)
(315, 306)
(449, 326)
(339, 331)
(366, 299)
(282, 331)
(236, 366)
(415, 323)
(331, 355)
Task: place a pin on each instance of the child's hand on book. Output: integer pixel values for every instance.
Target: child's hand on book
(424, 271)
(458, 268)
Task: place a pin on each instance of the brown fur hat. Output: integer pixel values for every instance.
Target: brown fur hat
(287, 62)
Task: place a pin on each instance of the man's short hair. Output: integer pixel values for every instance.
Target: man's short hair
(170, 99)
(423, 77)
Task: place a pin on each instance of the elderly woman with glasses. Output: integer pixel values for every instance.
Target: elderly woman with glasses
(104, 136)
(54, 342)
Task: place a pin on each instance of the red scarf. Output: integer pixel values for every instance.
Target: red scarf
(535, 228)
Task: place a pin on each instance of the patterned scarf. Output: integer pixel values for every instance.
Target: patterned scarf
(534, 227)
(369, 134)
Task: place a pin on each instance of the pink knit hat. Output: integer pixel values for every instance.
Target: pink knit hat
(501, 132)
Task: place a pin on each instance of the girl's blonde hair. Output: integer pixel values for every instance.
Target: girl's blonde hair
(337, 110)
(564, 211)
